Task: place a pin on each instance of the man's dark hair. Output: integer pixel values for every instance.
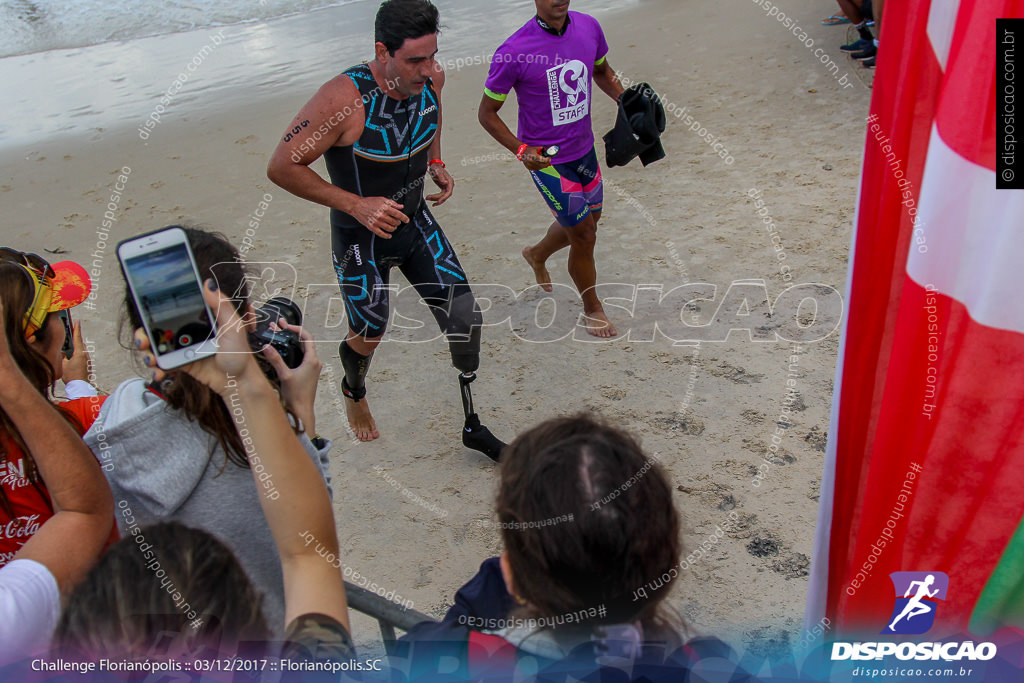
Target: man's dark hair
(399, 20)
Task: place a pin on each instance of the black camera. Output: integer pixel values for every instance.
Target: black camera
(285, 342)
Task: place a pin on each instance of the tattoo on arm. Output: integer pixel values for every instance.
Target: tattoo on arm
(295, 131)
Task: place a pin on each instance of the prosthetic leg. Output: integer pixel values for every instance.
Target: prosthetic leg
(465, 358)
(464, 344)
(474, 434)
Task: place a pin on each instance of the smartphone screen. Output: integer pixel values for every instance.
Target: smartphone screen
(69, 333)
(167, 294)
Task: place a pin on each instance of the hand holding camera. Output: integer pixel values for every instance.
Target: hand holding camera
(284, 340)
(286, 346)
(189, 324)
(291, 352)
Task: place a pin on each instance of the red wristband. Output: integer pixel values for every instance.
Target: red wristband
(519, 154)
(437, 161)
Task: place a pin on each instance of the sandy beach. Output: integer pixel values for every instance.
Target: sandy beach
(414, 508)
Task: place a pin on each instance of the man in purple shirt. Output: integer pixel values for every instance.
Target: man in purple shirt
(550, 62)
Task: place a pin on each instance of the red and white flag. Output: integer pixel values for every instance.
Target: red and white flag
(925, 462)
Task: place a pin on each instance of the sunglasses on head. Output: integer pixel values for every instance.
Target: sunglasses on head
(34, 262)
(40, 272)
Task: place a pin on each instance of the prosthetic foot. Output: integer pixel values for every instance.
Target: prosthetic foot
(474, 434)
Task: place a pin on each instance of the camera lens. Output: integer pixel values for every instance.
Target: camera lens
(286, 342)
(283, 307)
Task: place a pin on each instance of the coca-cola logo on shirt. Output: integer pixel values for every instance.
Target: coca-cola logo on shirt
(20, 527)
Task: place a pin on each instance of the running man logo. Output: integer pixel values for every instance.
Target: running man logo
(568, 88)
(916, 596)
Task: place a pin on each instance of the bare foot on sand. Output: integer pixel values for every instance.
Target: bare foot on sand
(599, 325)
(539, 271)
(360, 419)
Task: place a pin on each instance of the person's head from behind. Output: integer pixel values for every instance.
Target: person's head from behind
(622, 530)
(168, 591)
(406, 33)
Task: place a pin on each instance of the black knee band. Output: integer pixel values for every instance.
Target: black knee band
(356, 366)
(355, 394)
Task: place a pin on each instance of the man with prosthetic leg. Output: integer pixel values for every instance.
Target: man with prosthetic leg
(378, 126)
(461, 322)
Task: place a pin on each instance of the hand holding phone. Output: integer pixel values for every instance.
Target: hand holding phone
(165, 286)
(76, 365)
(69, 333)
(234, 362)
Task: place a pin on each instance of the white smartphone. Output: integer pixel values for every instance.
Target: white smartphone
(164, 283)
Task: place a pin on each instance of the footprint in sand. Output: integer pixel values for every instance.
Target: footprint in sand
(764, 545)
(752, 417)
(791, 565)
(737, 375)
(817, 438)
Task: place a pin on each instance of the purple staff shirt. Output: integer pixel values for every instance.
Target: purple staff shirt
(553, 79)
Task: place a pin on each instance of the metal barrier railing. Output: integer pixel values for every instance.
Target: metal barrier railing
(389, 615)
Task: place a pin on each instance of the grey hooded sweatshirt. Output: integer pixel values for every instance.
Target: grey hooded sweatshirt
(163, 467)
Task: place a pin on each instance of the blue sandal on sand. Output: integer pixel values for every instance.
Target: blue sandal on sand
(835, 20)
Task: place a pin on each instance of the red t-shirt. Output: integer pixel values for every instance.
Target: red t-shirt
(30, 501)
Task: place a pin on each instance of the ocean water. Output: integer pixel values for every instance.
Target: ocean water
(28, 26)
(81, 67)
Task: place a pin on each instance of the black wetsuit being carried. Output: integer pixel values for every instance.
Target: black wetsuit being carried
(390, 160)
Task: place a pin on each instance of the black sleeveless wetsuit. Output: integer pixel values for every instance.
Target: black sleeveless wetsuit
(391, 156)
(390, 160)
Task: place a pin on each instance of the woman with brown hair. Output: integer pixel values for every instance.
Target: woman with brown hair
(34, 294)
(169, 592)
(55, 509)
(175, 446)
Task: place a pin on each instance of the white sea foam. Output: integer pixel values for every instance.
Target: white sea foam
(28, 26)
